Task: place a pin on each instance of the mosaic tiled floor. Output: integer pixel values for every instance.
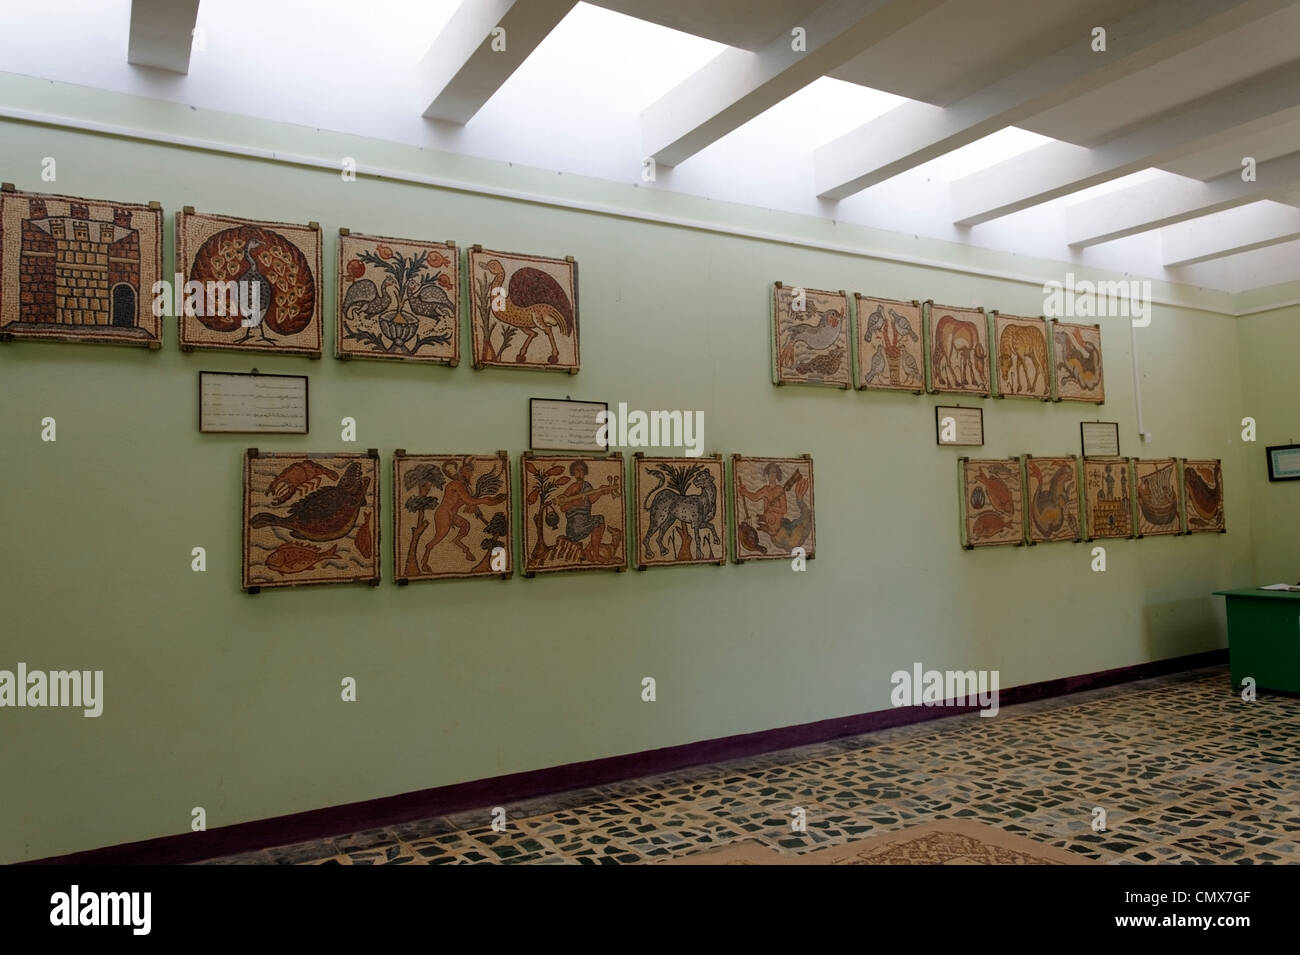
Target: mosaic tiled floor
(1186, 771)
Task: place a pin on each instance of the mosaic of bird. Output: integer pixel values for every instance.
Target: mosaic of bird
(815, 336)
(878, 365)
(534, 301)
(902, 326)
(325, 514)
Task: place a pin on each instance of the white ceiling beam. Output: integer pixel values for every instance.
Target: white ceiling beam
(738, 85)
(469, 61)
(916, 132)
(1176, 199)
(1058, 169)
(162, 33)
(1228, 233)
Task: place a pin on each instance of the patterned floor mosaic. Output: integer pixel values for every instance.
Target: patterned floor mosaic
(1186, 771)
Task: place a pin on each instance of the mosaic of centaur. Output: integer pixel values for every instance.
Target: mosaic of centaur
(993, 502)
(1053, 499)
(525, 310)
(261, 281)
(774, 508)
(310, 519)
(890, 352)
(810, 331)
(1203, 486)
(79, 270)
(398, 298)
(574, 513)
(452, 516)
(679, 515)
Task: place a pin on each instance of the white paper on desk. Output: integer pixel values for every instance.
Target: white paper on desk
(1280, 587)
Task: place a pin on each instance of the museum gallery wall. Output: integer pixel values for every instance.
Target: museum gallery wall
(664, 316)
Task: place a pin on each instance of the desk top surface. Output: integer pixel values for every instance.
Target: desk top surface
(1256, 592)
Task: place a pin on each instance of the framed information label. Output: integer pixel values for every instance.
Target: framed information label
(1284, 462)
(1100, 439)
(252, 403)
(956, 426)
(561, 424)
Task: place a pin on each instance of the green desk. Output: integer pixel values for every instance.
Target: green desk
(1264, 637)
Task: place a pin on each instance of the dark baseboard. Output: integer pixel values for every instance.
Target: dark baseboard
(503, 790)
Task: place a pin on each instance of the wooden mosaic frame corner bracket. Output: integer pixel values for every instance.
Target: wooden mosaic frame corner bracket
(187, 349)
(454, 362)
(529, 574)
(314, 225)
(572, 371)
(6, 336)
(476, 247)
(251, 452)
(8, 187)
(155, 346)
(402, 581)
(188, 210)
(252, 591)
(503, 454)
(372, 582)
(315, 356)
(343, 230)
(155, 205)
(450, 243)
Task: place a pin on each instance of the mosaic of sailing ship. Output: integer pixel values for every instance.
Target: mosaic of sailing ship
(1157, 497)
(398, 299)
(310, 519)
(811, 335)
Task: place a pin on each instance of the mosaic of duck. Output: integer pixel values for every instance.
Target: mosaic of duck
(323, 515)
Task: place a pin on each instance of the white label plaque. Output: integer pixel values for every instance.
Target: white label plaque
(959, 426)
(558, 424)
(252, 403)
(1100, 439)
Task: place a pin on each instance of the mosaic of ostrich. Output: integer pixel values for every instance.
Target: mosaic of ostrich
(533, 302)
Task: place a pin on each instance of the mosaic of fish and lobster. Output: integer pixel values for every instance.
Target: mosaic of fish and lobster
(810, 330)
(524, 310)
(274, 272)
(773, 510)
(310, 519)
(398, 298)
(680, 513)
(993, 502)
(452, 516)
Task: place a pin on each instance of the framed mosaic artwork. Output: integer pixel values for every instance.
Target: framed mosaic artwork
(958, 339)
(310, 519)
(261, 284)
(1052, 499)
(574, 515)
(891, 354)
(524, 310)
(1107, 497)
(774, 510)
(79, 270)
(397, 299)
(680, 511)
(453, 516)
(810, 337)
(1020, 357)
(1203, 492)
(1076, 362)
(992, 502)
(1159, 506)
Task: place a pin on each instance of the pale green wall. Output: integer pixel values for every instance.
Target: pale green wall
(1270, 357)
(231, 702)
